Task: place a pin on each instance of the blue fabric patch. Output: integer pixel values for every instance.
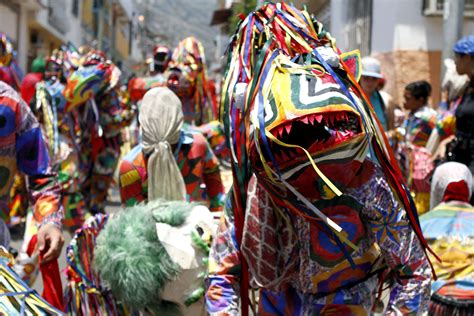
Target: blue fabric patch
(32, 154)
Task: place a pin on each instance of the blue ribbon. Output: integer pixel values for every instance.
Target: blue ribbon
(261, 109)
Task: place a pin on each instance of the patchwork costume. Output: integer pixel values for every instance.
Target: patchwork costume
(188, 79)
(166, 238)
(62, 133)
(23, 149)
(313, 221)
(92, 91)
(415, 161)
(198, 165)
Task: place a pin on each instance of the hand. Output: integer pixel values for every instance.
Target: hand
(440, 152)
(50, 238)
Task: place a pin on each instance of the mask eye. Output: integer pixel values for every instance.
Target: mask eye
(200, 230)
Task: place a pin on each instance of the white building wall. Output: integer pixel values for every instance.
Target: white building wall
(396, 25)
(73, 33)
(24, 38)
(400, 25)
(338, 23)
(8, 22)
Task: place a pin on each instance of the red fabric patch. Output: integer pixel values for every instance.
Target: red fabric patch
(456, 191)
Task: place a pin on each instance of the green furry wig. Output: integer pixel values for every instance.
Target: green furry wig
(131, 260)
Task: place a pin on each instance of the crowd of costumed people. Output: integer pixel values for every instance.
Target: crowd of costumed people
(321, 215)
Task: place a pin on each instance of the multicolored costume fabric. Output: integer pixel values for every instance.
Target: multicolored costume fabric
(84, 292)
(312, 218)
(23, 149)
(317, 267)
(187, 78)
(92, 90)
(214, 133)
(49, 105)
(138, 86)
(419, 126)
(198, 165)
(415, 161)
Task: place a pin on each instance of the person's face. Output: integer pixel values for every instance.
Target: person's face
(464, 64)
(369, 84)
(411, 103)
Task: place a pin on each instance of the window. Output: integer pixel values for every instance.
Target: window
(436, 7)
(75, 8)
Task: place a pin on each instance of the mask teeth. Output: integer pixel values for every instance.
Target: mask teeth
(331, 119)
(319, 118)
(311, 119)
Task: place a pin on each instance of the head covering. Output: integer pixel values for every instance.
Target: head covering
(161, 120)
(371, 67)
(448, 181)
(38, 65)
(465, 46)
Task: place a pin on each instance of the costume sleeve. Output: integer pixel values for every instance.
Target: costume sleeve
(130, 183)
(222, 295)
(213, 181)
(446, 124)
(389, 227)
(33, 161)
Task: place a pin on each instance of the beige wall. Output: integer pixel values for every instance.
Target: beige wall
(121, 41)
(403, 67)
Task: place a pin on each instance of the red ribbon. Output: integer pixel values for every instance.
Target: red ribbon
(53, 290)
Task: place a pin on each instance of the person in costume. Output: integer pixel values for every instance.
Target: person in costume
(138, 86)
(161, 60)
(187, 78)
(24, 149)
(10, 72)
(93, 91)
(169, 243)
(449, 230)
(60, 126)
(30, 80)
(415, 160)
(313, 221)
(166, 153)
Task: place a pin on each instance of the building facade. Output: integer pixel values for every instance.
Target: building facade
(37, 27)
(405, 35)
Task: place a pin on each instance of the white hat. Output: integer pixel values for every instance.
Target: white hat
(371, 67)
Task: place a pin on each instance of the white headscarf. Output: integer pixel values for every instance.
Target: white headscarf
(445, 174)
(161, 120)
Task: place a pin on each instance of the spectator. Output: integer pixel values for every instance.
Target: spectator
(369, 81)
(456, 127)
(450, 233)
